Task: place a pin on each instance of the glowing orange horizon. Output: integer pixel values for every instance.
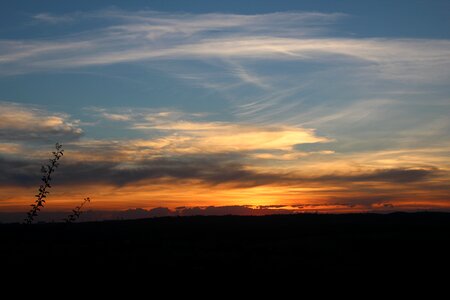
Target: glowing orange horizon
(329, 199)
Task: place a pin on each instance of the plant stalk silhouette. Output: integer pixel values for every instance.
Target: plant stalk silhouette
(46, 171)
(77, 211)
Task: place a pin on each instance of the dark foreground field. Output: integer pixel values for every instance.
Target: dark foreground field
(304, 244)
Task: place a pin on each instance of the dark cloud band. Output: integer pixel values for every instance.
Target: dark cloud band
(210, 169)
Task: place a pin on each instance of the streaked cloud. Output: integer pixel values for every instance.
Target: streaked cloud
(312, 119)
(54, 19)
(19, 122)
(178, 132)
(381, 57)
(232, 161)
(224, 179)
(203, 168)
(138, 36)
(111, 116)
(222, 137)
(10, 148)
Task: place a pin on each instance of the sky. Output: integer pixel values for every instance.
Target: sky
(327, 106)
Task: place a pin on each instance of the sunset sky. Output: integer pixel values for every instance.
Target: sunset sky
(329, 106)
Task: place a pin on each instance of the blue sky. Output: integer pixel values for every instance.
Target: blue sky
(399, 18)
(310, 88)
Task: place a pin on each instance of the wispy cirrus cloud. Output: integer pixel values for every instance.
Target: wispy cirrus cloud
(269, 52)
(395, 59)
(130, 36)
(137, 36)
(54, 19)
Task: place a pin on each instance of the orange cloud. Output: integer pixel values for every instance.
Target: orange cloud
(222, 136)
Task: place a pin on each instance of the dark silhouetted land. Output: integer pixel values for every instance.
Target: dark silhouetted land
(309, 244)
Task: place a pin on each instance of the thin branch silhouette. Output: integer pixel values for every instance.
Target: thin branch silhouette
(46, 171)
(77, 212)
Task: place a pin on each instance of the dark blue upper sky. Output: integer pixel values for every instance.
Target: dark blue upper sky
(398, 18)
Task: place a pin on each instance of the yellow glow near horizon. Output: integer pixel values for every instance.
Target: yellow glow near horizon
(326, 198)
